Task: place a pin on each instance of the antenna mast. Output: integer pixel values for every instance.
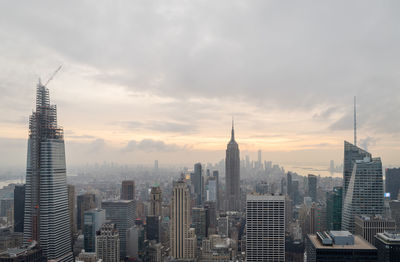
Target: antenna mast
(355, 121)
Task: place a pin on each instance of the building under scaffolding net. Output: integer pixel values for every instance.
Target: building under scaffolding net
(46, 197)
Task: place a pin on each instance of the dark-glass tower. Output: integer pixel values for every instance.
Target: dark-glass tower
(232, 174)
(46, 198)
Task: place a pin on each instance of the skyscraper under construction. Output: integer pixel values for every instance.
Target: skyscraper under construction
(46, 198)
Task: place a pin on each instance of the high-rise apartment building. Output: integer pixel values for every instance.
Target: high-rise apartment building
(392, 182)
(128, 190)
(108, 243)
(155, 201)
(365, 192)
(369, 226)
(265, 223)
(232, 175)
(19, 208)
(180, 234)
(46, 217)
(85, 202)
(312, 187)
(93, 220)
(334, 209)
(122, 214)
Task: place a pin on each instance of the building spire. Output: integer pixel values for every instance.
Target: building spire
(233, 131)
(355, 121)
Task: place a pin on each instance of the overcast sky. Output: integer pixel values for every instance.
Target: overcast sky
(146, 80)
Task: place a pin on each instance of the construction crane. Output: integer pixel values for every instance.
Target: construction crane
(52, 76)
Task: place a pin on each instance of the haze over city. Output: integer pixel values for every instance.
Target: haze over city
(162, 80)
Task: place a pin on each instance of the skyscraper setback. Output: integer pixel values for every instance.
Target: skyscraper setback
(232, 174)
(46, 198)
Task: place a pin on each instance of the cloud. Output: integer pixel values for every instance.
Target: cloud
(161, 126)
(367, 141)
(150, 145)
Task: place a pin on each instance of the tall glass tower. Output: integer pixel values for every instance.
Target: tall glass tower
(46, 198)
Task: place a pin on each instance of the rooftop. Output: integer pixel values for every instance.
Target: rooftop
(359, 243)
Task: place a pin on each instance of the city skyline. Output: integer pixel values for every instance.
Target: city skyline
(294, 102)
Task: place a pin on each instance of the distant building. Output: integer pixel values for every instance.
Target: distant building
(262, 188)
(153, 252)
(395, 212)
(392, 182)
(369, 226)
(232, 175)
(341, 246)
(122, 213)
(128, 190)
(6, 205)
(19, 207)
(265, 219)
(71, 209)
(108, 243)
(388, 245)
(155, 201)
(10, 239)
(196, 178)
(92, 222)
(85, 202)
(31, 253)
(334, 209)
(312, 187)
(87, 256)
(317, 218)
(364, 195)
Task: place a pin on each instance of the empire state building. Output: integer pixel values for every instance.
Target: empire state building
(232, 174)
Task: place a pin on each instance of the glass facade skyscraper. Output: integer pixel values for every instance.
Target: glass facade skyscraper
(46, 198)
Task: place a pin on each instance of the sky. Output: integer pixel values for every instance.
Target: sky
(146, 80)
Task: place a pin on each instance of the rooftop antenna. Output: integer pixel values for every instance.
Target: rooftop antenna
(355, 121)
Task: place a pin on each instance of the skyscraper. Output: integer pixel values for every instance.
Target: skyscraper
(265, 222)
(312, 187)
(85, 202)
(334, 209)
(392, 182)
(197, 178)
(46, 198)
(180, 235)
(232, 174)
(351, 154)
(71, 208)
(155, 201)
(19, 207)
(365, 192)
(128, 190)
(122, 214)
(93, 220)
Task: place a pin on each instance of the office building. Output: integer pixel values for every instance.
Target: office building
(19, 208)
(155, 201)
(368, 226)
(29, 253)
(128, 190)
(334, 209)
(365, 192)
(317, 217)
(153, 228)
(265, 222)
(85, 202)
(289, 189)
(341, 246)
(211, 219)
(196, 178)
(232, 175)
(262, 188)
(46, 218)
(10, 239)
(71, 209)
(217, 193)
(92, 221)
(154, 252)
(122, 214)
(312, 187)
(392, 182)
(6, 205)
(199, 222)
(108, 243)
(181, 237)
(388, 245)
(87, 256)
